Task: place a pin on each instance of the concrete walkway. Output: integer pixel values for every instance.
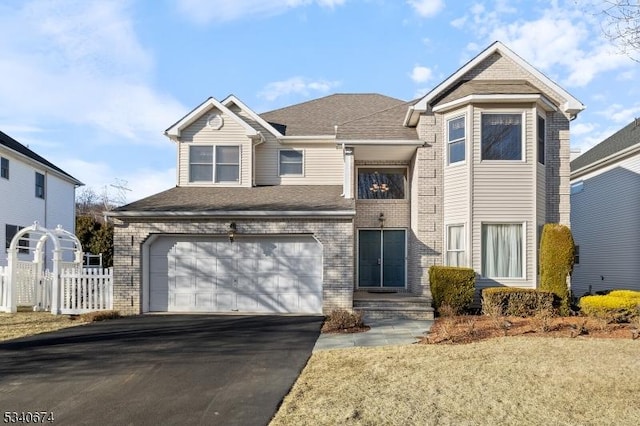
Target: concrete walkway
(382, 333)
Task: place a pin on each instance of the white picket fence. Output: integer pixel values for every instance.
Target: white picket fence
(86, 290)
(5, 305)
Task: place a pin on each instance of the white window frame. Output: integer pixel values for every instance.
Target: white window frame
(523, 134)
(214, 165)
(461, 250)
(301, 151)
(524, 250)
(449, 142)
(382, 166)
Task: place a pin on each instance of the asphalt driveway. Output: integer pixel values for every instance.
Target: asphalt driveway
(159, 369)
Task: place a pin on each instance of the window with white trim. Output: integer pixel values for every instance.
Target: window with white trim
(4, 167)
(40, 185)
(455, 246)
(220, 163)
(501, 137)
(455, 140)
(290, 162)
(227, 163)
(502, 250)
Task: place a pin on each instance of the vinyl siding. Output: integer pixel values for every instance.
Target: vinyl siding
(605, 221)
(198, 133)
(504, 192)
(322, 164)
(58, 207)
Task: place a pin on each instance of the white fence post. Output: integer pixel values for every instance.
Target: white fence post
(4, 289)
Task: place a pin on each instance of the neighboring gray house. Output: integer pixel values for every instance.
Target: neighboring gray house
(32, 189)
(605, 213)
(339, 201)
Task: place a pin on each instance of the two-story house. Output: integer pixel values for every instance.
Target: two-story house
(314, 206)
(32, 189)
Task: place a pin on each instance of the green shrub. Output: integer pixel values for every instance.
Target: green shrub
(617, 306)
(518, 302)
(452, 286)
(556, 261)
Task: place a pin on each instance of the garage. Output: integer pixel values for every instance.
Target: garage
(271, 274)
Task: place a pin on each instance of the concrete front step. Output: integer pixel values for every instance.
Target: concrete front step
(393, 307)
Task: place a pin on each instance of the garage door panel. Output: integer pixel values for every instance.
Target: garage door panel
(253, 274)
(226, 249)
(310, 302)
(206, 248)
(225, 302)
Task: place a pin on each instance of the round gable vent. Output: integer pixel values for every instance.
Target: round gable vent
(215, 121)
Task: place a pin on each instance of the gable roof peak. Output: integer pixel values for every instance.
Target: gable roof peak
(571, 105)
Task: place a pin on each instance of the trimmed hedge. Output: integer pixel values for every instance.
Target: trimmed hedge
(556, 261)
(518, 302)
(452, 286)
(617, 306)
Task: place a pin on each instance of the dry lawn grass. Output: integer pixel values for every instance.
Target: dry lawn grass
(23, 324)
(510, 381)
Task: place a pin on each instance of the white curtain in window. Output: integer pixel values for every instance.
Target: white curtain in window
(502, 250)
(455, 249)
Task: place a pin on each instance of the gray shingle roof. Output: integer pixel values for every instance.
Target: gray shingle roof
(319, 116)
(623, 139)
(16, 146)
(260, 198)
(385, 124)
(488, 87)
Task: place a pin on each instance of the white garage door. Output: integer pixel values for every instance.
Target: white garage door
(252, 274)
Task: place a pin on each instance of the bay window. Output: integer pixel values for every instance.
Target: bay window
(501, 137)
(502, 250)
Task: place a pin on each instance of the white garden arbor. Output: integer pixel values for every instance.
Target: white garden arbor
(29, 282)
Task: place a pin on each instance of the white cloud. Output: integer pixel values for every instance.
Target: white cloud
(80, 63)
(591, 139)
(421, 74)
(426, 8)
(208, 11)
(579, 129)
(621, 114)
(296, 86)
(459, 23)
(562, 40)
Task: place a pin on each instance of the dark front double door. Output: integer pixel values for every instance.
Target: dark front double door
(381, 258)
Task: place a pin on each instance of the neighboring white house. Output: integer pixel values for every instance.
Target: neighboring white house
(317, 205)
(605, 213)
(32, 189)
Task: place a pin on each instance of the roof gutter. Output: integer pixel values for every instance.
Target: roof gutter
(233, 213)
(604, 161)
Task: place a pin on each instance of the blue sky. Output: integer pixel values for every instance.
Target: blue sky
(91, 85)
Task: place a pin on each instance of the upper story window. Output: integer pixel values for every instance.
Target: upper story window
(40, 185)
(541, 139)
(455, 139)
(4, 167)
(290, 162)
(501, 137)
(382, 183)
(220, 162)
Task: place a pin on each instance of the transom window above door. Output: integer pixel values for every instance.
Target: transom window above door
(219, 164)
(382, 183)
